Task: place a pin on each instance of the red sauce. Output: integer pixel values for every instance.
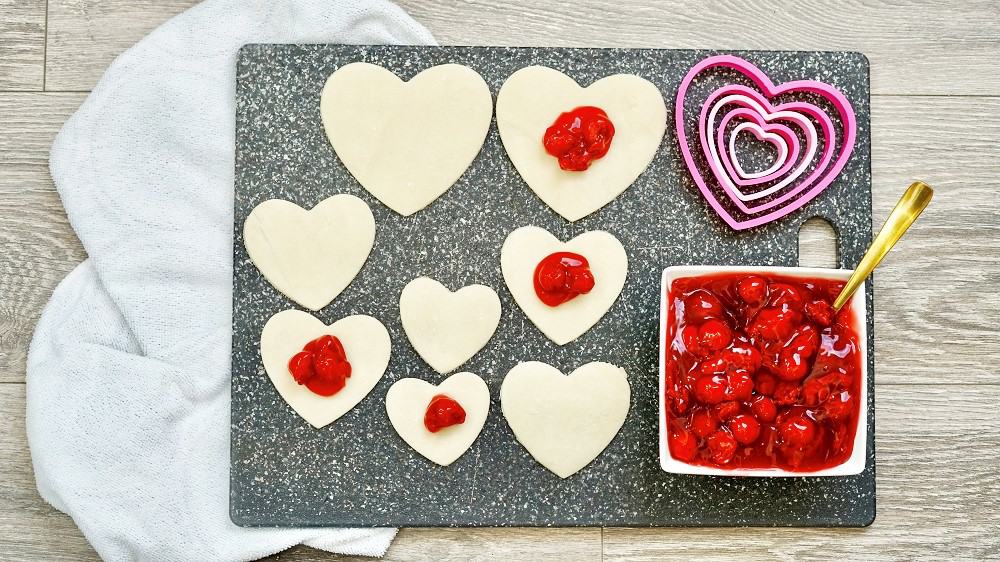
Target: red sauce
(761, 373)
(562, 277)
(321, 366)
(442, 412)
(579, 137)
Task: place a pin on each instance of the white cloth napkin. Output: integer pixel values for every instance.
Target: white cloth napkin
(128, 372)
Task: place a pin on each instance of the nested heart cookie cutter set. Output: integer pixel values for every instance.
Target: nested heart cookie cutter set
(791, 118)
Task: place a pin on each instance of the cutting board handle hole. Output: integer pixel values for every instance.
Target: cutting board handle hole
(818, 244)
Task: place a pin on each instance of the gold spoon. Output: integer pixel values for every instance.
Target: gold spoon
(909, 207)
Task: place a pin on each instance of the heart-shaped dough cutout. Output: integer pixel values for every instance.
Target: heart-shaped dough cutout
(448, 328)
(565, 422)
(528, 245)
(310, 256)
(406, 142)
(407, 401)
(531, 100)
(366, 344)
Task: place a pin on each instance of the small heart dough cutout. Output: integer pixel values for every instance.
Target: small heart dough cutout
(406, 403)
(366, 344)
(565, 422)
(529, 103)
(310, 256)
(528, 245)
(406, 142)
(448, 328)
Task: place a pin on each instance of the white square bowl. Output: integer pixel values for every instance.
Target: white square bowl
(856, 463)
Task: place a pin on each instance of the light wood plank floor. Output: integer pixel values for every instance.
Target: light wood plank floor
(935, 116)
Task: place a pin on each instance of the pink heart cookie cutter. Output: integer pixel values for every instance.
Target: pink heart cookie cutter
(821, 177)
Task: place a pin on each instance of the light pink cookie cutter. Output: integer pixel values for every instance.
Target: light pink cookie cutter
(821, 178)
(795, 112)
(777, 134)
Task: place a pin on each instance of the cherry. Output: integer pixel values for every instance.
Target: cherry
(710, 389)
(766, 384)
(726, 410)
(753, 290)
(681, 400)
(714, 335)
(774, 324)
(301, 367)
(579, 137)
(701, 305)
(745, 429)
(722, 446)
(689, 335)
(740, 385)
(798, 431)
(443, 411)
(820, 312)
(742, 356)
(703, 423)
(764, 409)
(785, 296)
(795, 359)
(683, 445)
(713, 365)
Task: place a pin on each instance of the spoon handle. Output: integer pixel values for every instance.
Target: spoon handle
(909, 207)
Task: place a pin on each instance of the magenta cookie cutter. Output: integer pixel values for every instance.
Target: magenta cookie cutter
(768, 122)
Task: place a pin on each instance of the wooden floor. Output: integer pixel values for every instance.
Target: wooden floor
(935, 116)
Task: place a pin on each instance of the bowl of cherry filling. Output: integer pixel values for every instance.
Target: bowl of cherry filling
(759, 375)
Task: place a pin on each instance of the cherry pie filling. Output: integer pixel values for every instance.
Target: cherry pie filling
(761, 372)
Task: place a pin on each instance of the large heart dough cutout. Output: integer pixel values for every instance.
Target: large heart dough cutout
(565, 422)
(406, 403)
(531, 100)
(366, 344)
(448, 328)
(310, 256)
(406, 142)
(528, 245)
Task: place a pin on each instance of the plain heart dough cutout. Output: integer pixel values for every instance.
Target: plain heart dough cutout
(565, 422)
(366, 343)
(310, 256)
(406, 403)
(448, 328)
(406, 142)
(531, 100)
(528, 245)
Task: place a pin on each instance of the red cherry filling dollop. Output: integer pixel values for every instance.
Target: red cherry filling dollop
(761, 372)
(562, 277)
(442, 412)
(321, 366)
(579, 137)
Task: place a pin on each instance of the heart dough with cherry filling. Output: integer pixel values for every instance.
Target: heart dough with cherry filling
(406, 142)
(448, 328)
(529, 103)
(565, 422)
(529, 245)
(366, 344)
(310, 256)
(407, 401)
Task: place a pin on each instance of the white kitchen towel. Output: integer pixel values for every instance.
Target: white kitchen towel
(128, 371)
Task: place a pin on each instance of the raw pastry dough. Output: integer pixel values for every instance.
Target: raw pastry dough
(310, 256)
(407, 400)
(531, 100)
(448, 328)
(528, 245)
(406, 142)
(565, 422)
(366, 344)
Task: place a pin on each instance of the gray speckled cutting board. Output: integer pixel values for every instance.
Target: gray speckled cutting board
(357, 471)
